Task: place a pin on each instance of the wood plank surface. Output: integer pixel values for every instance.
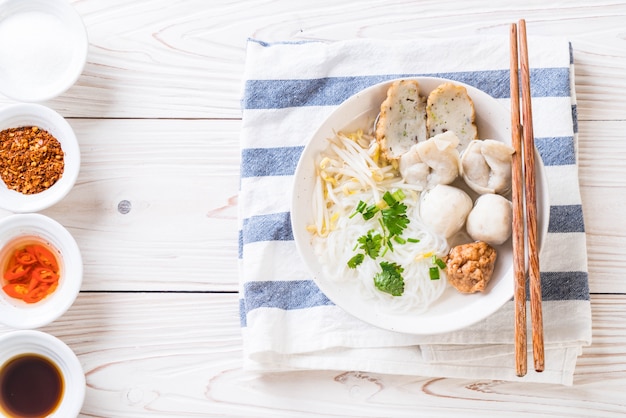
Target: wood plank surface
(159, 194)
(188, 363)
(155, 204)
(185, 58)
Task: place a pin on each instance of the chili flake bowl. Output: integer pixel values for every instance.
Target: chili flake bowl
(17, 231)
(18, 345)
(49, 33)
(26, 115)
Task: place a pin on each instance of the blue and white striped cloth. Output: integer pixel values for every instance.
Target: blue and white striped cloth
(287, 322)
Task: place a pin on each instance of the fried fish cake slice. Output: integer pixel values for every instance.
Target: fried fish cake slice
(450, 108)
(402, 119)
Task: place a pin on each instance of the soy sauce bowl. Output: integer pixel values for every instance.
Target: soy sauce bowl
(15, 232)
(22, 343)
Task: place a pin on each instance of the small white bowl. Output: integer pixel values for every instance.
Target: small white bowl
(16, 229)
(17, 343)
(47, 50)
(30, 114)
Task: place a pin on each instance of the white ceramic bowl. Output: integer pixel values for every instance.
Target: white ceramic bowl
(47, 50)
(14, 229)
(31, 114)
(18, 343)
(453, 310)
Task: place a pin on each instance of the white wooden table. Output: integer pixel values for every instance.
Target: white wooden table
(156, 111)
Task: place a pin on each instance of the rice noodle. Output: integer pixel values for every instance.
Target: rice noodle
(348, 172)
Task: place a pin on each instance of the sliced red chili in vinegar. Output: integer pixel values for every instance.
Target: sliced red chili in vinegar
(16, 271)
(36, 294)
(32, 284)
(45, 256)
(15, 290)
(32, 273)
(44, 275)
(25, 257)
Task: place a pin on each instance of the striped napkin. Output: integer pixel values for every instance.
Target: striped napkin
(287, 322)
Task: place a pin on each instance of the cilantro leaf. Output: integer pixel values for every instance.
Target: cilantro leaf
(356, 260)
(371, 244)
(395, 218)
(390, 280)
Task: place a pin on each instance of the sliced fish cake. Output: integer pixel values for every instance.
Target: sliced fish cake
(402, 120)
(449, 108)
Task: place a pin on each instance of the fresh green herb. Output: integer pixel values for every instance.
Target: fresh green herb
(360, 207)
(356, 260)
(389, 279)
(371, 244)
(399, 240)
(370, 211)
(434, 273)
(393, 221)
(389, 199)
(395, 218)
(398, 195)
(439, 262)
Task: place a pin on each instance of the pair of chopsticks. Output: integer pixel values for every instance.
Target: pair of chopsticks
(523, 195)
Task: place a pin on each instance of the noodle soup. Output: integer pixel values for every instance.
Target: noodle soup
(341, 176)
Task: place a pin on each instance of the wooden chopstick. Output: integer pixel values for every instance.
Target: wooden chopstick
(536, 314)
(524, 195)
(517, 192)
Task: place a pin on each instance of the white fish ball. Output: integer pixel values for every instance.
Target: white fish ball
(491, 219)
(445, 208)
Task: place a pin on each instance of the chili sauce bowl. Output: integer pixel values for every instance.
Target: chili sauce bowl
(21, 232)
(28, 115)
(47, 360)
(47, 50)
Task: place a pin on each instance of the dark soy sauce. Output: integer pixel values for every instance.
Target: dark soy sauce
(30, 386)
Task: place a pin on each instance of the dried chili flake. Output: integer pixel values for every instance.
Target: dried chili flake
(31, 159)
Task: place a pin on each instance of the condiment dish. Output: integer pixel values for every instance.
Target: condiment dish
(17, 231)
(42, 117)
(47, 50)
(70, 376)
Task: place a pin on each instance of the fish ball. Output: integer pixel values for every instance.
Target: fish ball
(491, 219)
(445, 208)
